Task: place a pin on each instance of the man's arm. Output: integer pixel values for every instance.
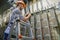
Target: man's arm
(27, 17)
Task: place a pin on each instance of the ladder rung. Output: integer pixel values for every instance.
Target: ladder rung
(27, 37)
(39, 36)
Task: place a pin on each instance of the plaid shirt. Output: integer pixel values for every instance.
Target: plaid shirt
(16, 13)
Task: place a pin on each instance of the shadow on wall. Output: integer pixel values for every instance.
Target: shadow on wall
(4, 7)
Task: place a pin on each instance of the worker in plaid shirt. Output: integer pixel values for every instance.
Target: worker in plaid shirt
(17, 12)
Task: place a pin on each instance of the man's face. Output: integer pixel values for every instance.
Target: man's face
(21, 6)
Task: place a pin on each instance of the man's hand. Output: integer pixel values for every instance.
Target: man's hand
(26, 15)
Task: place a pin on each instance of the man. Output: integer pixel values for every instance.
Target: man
(15, 14)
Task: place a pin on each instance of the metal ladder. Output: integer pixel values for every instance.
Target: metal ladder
(17, 31)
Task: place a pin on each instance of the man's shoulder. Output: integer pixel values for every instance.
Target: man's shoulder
(15, 10)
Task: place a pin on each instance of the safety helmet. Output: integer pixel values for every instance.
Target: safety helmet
(21, 2)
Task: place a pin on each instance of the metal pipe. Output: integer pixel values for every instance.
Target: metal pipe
(35, 26)
(49, 24)
(56, 15)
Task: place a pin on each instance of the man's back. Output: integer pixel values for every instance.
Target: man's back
(16, 13)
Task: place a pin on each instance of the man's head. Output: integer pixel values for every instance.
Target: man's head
(20, 4)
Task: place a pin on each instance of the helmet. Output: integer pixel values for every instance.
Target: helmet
(21, 2)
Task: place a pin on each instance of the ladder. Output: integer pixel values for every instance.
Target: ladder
(17, 31)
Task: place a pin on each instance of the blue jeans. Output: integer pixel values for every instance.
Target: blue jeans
(27, 26)
(6, 36)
